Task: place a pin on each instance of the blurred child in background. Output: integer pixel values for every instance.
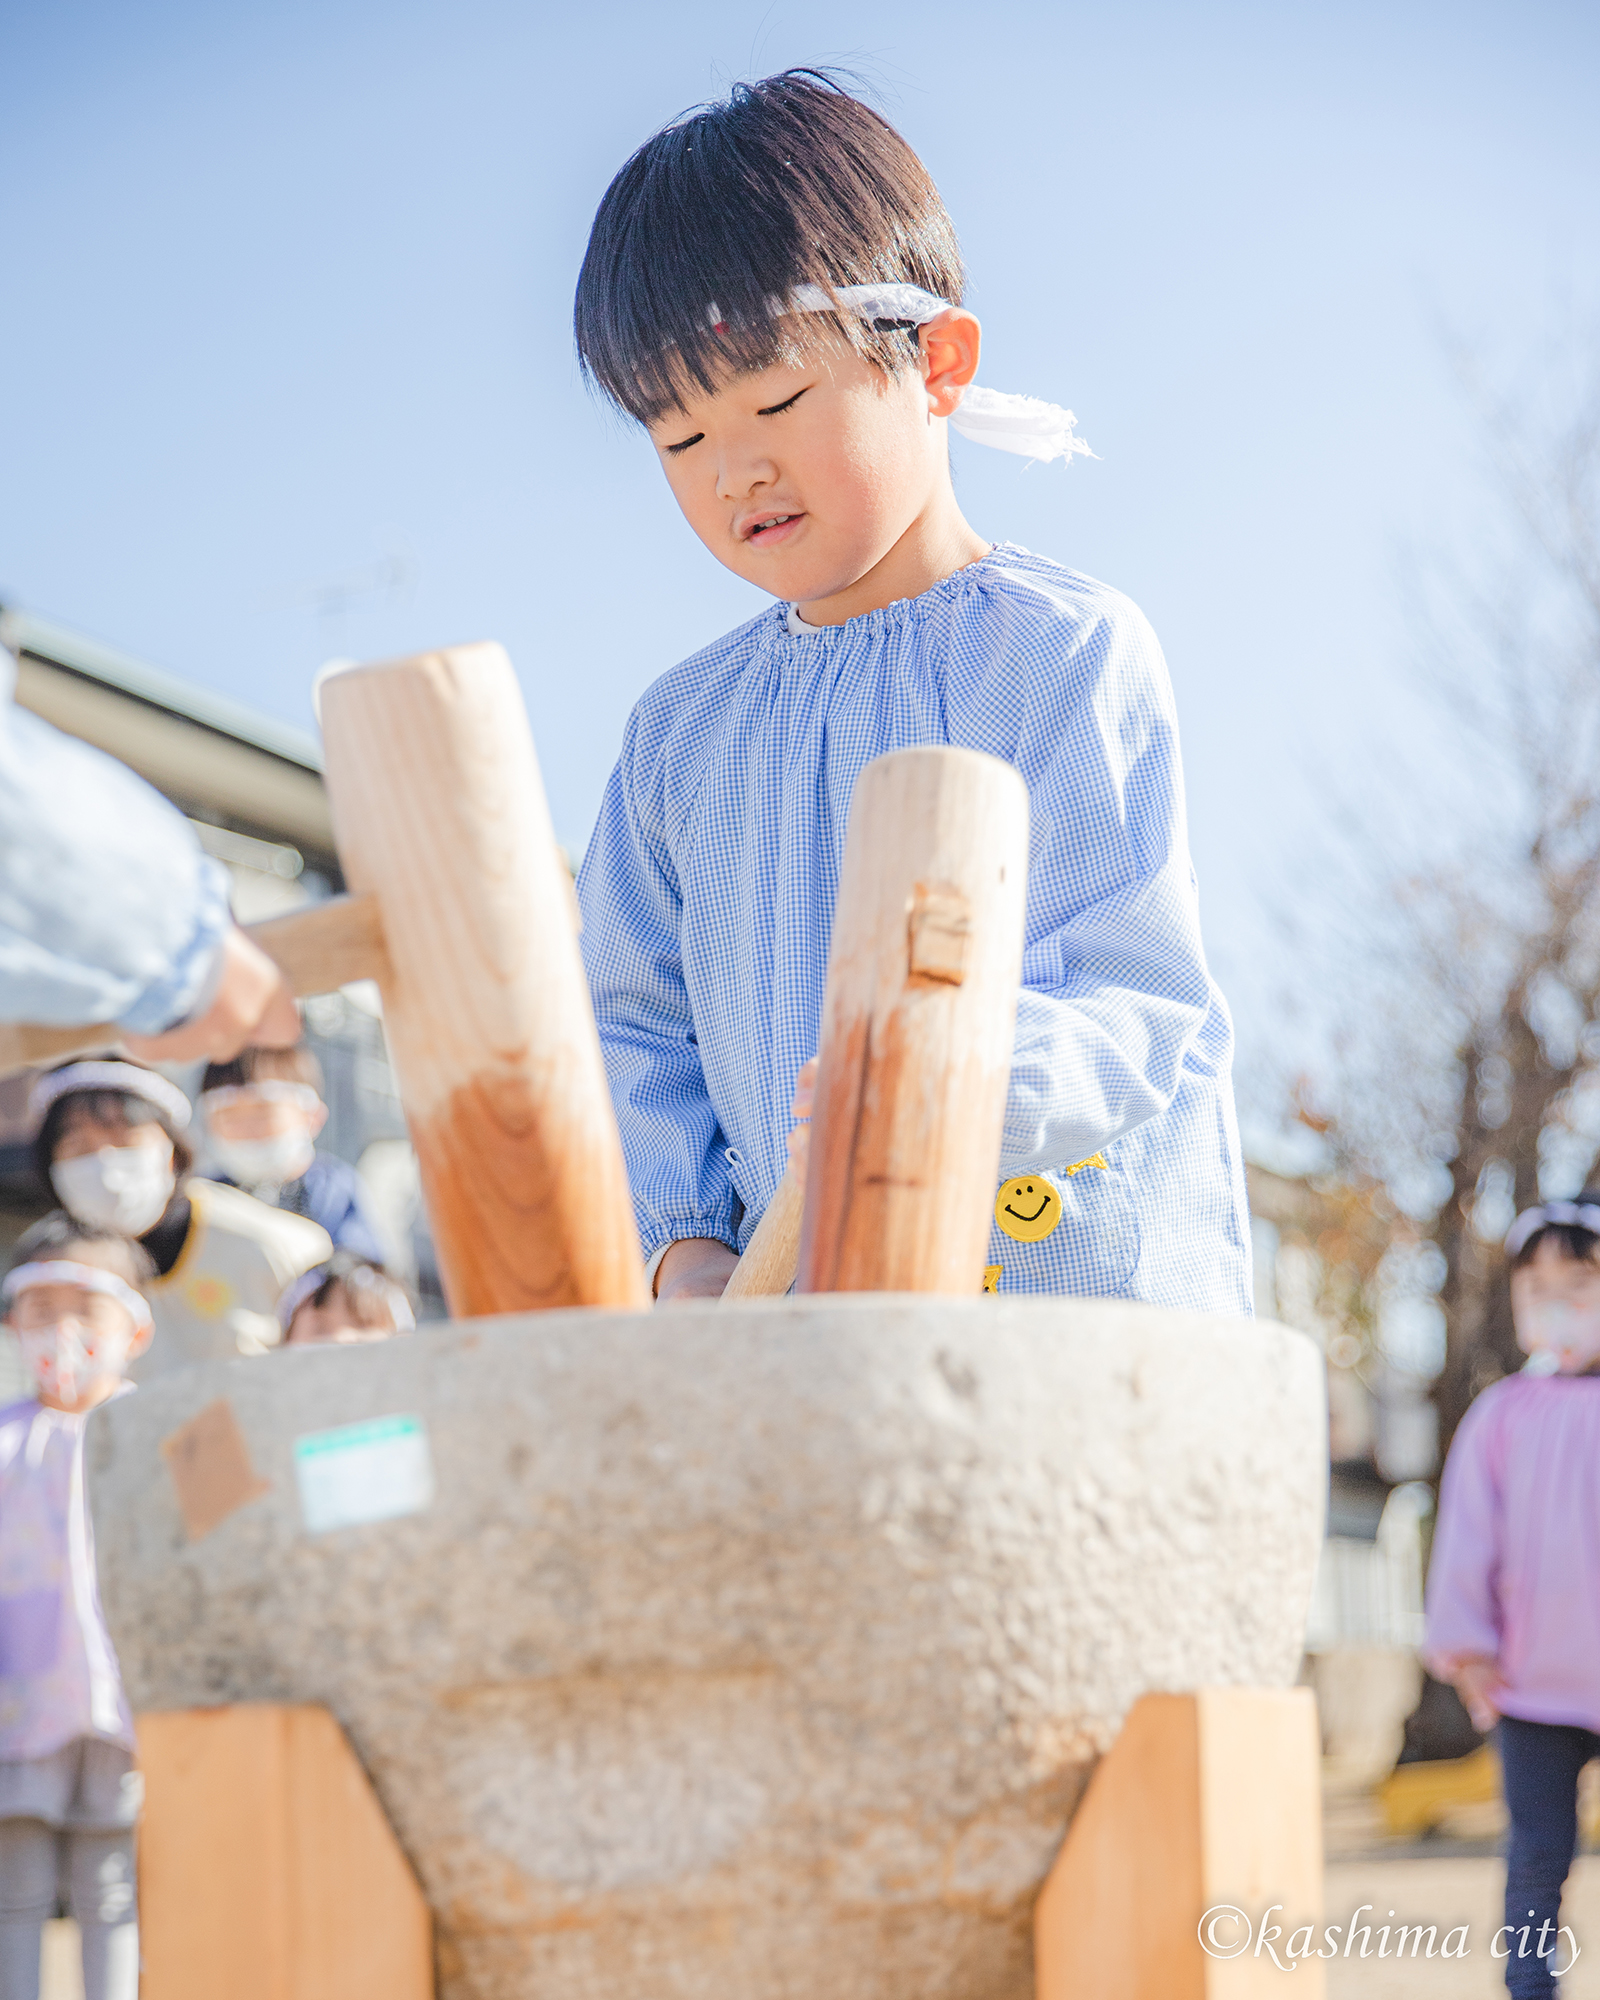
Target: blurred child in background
(69, 1794)
(112, 1147)
(262, 1114)
(344, 1301)
(1514, 1584)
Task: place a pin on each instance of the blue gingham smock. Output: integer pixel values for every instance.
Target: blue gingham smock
(708, 892)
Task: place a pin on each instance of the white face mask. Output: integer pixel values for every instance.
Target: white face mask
(125, 1188)
(251, 1162)
(1566, 1337)
(66, 1362)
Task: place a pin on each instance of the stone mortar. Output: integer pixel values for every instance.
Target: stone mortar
(756, 1651)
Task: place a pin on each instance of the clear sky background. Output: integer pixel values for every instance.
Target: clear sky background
(287, 370)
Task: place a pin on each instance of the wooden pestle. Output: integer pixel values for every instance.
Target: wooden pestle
(918, 1019)
(439, 808)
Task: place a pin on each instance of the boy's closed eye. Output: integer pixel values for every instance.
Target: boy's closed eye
(772, 410)
(777, 409)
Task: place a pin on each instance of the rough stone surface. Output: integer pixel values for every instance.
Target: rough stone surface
(745, 1652)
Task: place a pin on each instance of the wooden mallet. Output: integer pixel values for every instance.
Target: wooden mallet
(918, 1019)
(463, 912)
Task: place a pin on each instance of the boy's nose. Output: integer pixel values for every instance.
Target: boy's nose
(738, 478)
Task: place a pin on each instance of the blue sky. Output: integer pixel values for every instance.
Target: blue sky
(287, 365)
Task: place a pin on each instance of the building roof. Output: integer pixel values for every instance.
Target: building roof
(215, 758)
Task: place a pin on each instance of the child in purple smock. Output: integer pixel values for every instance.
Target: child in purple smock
(1514, 1586)
(69, 1793)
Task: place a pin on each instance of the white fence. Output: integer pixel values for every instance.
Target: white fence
(1370, 1593)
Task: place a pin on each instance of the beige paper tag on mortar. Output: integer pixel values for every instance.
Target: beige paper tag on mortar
(211, 1470)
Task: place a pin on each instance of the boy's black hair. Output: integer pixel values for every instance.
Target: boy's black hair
(59, 1234)
(1573, 1241)
(296, 1065)
(110, 1107)
(790, 181)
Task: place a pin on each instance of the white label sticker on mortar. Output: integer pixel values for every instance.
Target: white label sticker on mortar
(371, 1471)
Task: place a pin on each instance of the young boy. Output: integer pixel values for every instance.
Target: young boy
(772, 288)
(263, 1111)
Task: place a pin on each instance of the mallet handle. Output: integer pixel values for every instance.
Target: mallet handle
(918, 1018)
(439, 807)
(772, 1255)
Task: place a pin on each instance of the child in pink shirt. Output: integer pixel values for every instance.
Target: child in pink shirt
(1514, 1586)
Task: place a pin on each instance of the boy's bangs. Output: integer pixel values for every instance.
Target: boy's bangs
(663, 356)
(713, 225)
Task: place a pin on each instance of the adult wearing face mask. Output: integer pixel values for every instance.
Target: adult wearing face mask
(112, 1148)
(263, 1111)
(109, 911)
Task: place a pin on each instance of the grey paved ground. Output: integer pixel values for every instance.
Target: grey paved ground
(1456, 1877)
(1463, 1889)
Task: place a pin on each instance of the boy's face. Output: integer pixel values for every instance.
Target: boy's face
(802, 478)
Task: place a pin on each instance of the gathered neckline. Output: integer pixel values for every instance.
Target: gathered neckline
(897, 613)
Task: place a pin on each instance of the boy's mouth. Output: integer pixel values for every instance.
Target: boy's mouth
(764, 530)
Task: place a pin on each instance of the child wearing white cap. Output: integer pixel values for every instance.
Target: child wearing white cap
(113, 1146)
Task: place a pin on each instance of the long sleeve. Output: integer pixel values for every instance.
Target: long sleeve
(1115, 986)
(109, 911)
(1464, 1617)
(632, 918)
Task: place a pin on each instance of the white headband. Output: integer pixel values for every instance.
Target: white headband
(58, 1271)
(1023, 424)
(136, 1082)
(1553, 1214)
(360, 1277)
(275, 1089)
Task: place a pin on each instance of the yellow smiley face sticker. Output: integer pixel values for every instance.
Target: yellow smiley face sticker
(1027, 1208)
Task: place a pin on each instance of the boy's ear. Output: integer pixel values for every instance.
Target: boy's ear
(317, 1119)
(140, 1341)
(949, 346)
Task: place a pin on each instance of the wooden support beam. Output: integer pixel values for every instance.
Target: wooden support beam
(1204, 1800)
(439, 808)
(267, 1870)
(917, 1026)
